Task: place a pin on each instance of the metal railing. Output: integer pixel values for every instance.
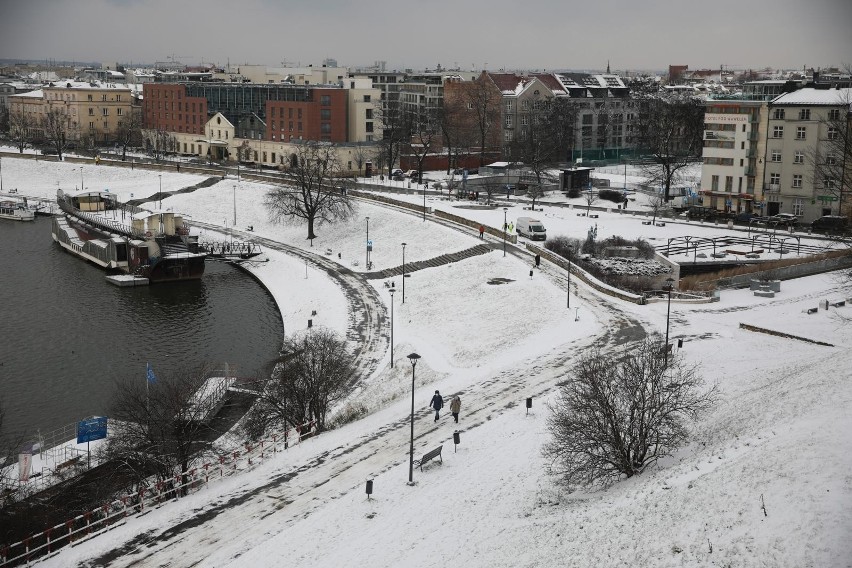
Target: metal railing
(100, 519)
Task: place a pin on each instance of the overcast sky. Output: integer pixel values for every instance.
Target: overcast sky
(471, 34)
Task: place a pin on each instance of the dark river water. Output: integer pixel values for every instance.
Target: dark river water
(67, 335)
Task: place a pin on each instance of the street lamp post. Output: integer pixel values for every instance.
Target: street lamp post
(161, 187)
(413, 358)
(392, 290)
(669, 284)
(570, 248)
(424, 200)
(235, 205)
(367, 257)
(504, 230)
(1, 174)
(403, 273)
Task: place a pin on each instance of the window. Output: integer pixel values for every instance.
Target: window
(800, 132)
(325, 114)
(91, 111)
(299, 126)
(729, 183)
(366, 98)
(774, 179)
(469, 106)
(369, 115)
(831, 160)
(105, 111)
(778, 132)
(325, 100)
(300, 115)
(833, 133)
(103, 97)
(798, 206)
(776, 155)
(369, 127)
(714, 183)
(778, 114)
(828, 183)
(834, 114)
(325, 128)
(797, 180)
(508, 106)
(508, 121)
(805, 114)
(118, 111)
(799, 158)
(91, 126)
(89, 98)
(508, 136)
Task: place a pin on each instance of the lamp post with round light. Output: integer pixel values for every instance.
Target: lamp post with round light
(367, 257)
(403, 273)
(413, 357)
(669, 285)
(392, 290)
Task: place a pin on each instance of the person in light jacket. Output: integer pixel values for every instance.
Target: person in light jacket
(437, 403)
(455, 406)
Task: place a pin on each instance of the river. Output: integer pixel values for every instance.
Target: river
(67, 336)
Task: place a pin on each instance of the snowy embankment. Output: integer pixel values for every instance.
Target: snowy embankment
(777, 438)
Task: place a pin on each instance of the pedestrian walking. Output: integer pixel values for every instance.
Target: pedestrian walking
(455, 406)
(481, 231)
(437, 403)
(511, 226)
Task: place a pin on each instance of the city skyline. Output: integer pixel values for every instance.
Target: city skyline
(542, 34)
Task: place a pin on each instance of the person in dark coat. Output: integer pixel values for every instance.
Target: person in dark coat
(437, 403)
(481, 231)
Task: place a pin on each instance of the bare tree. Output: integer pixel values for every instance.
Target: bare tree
(21, 126)
(56, 126)
(311, 375)
(158, 429)
(394, 130)
(425, 134)
(361, 155)
(670, 131)
(129, 132)
(318, 194)
(616, 415)
(590, 196)
(483, 99)
(657, 202)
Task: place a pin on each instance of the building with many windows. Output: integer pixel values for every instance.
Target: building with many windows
(808, 155)
(93, 111)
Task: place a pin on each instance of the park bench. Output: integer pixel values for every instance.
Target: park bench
(812, 310)
(839, 304)
(428, 456)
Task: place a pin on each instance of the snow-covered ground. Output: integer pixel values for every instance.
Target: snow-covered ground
(487, 330)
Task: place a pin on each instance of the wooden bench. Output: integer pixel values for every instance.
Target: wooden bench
(428, 456)
(764, 293)
(812, 310)
(839, 304)
(594, 216)
(646, 222)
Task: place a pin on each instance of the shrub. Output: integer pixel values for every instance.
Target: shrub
(611, 195)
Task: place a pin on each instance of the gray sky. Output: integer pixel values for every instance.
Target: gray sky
(495, 34)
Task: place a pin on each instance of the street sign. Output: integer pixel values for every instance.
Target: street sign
(370, 246)
(92, 429)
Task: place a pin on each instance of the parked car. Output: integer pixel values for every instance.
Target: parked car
(49, 151)
(784, 219)
(703, 213)
(831, 224)
(744, 217)
(397, 172)
(410, 174)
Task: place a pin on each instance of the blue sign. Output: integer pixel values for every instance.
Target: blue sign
(464, 175)
(370, 245)
(92, 429)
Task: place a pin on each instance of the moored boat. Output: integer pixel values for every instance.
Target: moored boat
(16, 210)
(156, 245)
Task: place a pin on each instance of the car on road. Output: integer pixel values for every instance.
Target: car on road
(397, 172)
(703, 213)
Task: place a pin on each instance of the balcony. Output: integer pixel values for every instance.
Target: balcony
(771, 188)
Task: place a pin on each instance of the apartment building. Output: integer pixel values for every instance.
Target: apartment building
(807, 153)
(93, 111)
(735, 132)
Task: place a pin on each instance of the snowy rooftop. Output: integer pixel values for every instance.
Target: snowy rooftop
(810, 96)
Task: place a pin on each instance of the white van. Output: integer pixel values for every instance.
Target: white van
(531, 228)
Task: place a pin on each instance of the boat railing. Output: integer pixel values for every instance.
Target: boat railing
(102, 221)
